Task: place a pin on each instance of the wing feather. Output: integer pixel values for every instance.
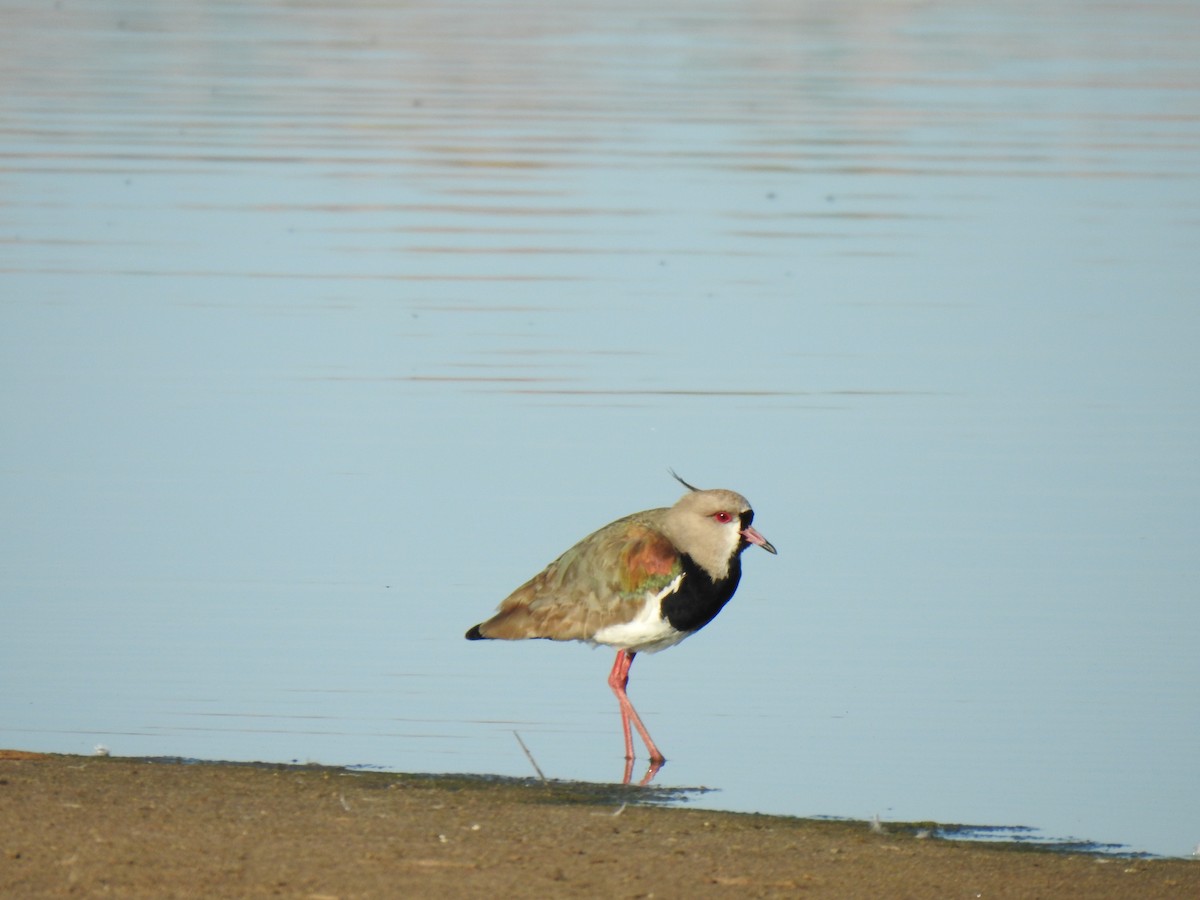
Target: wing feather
(601, 581)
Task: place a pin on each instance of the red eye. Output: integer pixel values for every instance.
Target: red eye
(723, 517)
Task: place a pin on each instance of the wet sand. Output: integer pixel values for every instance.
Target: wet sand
(91, 826)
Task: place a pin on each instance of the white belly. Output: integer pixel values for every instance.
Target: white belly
(648, 631)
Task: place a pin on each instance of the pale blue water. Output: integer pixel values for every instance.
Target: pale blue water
(324, 328)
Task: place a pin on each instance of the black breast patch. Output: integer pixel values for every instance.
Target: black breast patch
(699, 598)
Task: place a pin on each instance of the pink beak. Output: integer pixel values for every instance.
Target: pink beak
(755, 538)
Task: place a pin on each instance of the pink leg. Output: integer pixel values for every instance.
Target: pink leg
(618, 680)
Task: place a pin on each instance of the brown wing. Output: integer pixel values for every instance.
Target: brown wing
(603, 580)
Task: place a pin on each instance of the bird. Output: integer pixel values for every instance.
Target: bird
(640, 584)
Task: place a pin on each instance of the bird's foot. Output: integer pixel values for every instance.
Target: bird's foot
(651, 771)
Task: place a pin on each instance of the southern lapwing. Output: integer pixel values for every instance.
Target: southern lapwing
(641, 584)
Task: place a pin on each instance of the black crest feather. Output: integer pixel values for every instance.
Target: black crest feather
(675, 475)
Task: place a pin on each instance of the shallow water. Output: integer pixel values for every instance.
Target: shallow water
(324, 328)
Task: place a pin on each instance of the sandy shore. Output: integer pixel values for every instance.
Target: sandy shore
(89, 826)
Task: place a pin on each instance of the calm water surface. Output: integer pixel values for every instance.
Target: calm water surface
(324, 327)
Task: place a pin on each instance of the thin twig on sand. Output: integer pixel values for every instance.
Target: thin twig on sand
(529, 756)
